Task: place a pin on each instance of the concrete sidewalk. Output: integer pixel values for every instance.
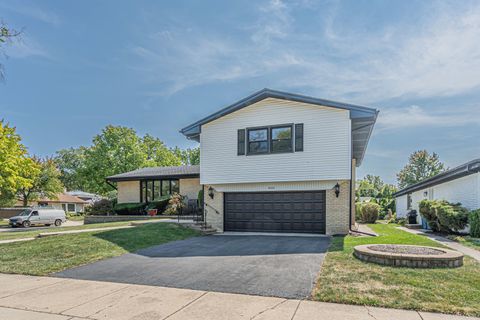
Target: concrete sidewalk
(48, 298)
(475, 254)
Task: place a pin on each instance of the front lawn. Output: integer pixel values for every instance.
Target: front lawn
(466, 241)
(344, 279)
(57, 253)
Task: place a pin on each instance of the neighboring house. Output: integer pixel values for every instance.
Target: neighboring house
(86, 196)
(460, 184)
(151, 184)
(272, 162)
(63, 201)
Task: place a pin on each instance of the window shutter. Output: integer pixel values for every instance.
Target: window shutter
(241, 142)
(298, 137)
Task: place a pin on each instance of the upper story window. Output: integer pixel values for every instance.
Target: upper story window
(258, 141)
(281, 139)
(269, 139)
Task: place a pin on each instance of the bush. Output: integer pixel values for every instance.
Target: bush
(443, 216)
(175, 204)
(427, 211)
(127, 209)
(474, 220)
(370, 212)
(358, 211)
(102, 207)
(160, 204)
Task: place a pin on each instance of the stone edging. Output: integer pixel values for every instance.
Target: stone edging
(448, 259)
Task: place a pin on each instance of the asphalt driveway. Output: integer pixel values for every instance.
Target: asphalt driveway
(277, 266)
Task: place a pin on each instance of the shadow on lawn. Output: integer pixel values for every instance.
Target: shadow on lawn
(163, 242)
(338, 244)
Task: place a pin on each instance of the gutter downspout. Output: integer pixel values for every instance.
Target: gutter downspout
(350, 206)
(111, 185)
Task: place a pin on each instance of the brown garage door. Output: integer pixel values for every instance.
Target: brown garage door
(275, 211)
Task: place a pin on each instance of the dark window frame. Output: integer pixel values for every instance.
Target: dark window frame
(146, 182)
(269, 139)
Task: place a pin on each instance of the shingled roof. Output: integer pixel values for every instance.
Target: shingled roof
(158, 172)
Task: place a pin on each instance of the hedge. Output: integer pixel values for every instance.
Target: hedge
(474, 221)
(444, 216)
(129, 209)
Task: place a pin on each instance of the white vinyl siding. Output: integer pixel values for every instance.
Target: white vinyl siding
(327, 145)
(465, 190)
(401, 206)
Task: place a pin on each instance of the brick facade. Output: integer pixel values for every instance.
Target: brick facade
(338, 209)
(214, 209)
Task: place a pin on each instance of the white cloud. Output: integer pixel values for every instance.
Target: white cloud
(32, 11)
(439, 56)
(416, 116)
(25, 47)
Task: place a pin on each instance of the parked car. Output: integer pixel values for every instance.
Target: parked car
(37, 216)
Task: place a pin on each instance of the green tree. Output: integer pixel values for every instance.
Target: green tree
(157, 154)
(14, 162)
(421, 165)
(46, 182)
(70, 163)
(6, 36)
(115, 150)
(188, 156)
(370, 186)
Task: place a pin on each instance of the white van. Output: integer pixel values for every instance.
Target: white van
(36, 216)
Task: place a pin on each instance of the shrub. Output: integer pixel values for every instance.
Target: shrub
(474, 220)
(369, 212)
(175, 204)
(160, 204)
(103, 207)
(130, 209)
(443, 216)
(452, 217)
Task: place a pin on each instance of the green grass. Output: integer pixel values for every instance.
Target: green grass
(344, 279)
(3, 222)
(33, 231)
(56, 253)
(466, 241)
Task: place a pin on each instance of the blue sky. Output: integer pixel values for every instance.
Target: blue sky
(157, 66)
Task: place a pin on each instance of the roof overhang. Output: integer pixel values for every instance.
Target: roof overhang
(449, 175)
(363, 118)
(153, 177)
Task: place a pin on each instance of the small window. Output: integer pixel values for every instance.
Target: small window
(258, 141)
(165, 187)
(157, 190)
(409, 201)
(71, 207)
(175, 186)
(281, 139)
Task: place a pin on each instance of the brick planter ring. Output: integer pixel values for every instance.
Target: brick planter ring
(408, 256)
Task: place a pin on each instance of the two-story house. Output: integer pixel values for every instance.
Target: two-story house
(271, 162)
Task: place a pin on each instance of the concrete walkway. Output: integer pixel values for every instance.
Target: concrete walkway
(475, 254)
(48, 298)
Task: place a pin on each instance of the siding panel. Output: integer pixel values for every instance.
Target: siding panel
(326, 155)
